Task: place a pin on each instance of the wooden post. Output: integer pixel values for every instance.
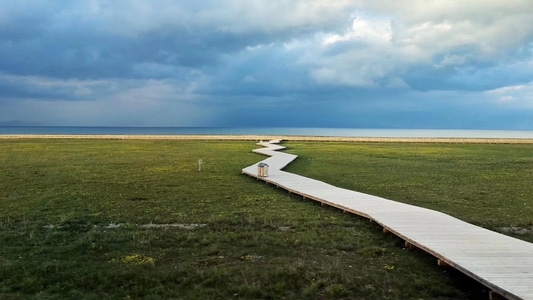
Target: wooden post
(495, 296)
(409, 245)
(442, 263)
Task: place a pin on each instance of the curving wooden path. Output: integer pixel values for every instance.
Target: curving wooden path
(501, 263)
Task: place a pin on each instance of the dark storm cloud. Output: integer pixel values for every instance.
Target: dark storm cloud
(270, 63)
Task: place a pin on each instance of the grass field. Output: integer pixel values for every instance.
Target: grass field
(488, 185)
(74, 216)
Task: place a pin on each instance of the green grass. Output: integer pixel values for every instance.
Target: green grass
(58, 198)
(487, 185)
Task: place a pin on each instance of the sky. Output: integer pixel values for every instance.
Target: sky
(446, 64)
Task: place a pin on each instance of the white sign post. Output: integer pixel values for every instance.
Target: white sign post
(200, 163)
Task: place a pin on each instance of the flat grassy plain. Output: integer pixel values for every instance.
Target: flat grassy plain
(489, 185)
(73, 216)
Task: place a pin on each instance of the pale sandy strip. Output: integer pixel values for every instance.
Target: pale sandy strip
(136, 137)
(277, 137)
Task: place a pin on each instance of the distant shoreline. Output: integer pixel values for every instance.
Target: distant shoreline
(446, 140)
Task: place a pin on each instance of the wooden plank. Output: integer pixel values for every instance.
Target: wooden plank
(502, 263)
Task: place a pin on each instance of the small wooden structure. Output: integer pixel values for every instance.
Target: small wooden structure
(262, 169)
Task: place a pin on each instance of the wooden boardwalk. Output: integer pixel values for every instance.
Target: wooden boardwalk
(501, 263)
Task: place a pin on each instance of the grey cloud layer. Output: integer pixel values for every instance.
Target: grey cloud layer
(213, 62)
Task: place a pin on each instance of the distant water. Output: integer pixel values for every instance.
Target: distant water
(340, 132)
